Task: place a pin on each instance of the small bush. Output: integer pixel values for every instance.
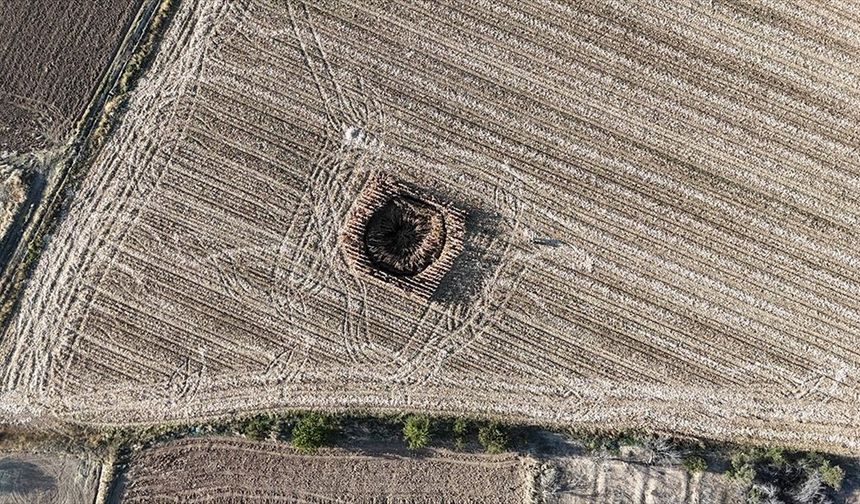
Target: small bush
(831, 475)
(774, 456)
(416, 431)
(742, 467)
(258, 427)
(742, 474)
(493, 437)
(458, 431)
(312, 431)
(695, 464)
(773, 475)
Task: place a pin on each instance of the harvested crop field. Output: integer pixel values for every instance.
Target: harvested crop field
(49, 478)
(54, 55)
(223, 470)
(661, 222)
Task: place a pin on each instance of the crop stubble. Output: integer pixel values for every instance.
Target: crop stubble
(662, 226)
(234, 470)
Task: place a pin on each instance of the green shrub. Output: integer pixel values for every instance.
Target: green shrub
(416, 431)
(695, 464)
(774, 456)
(493, 437)
(831, 475)
(773, 475)
(312, 431)
(258, 427)
(458, 430)
(742, 467)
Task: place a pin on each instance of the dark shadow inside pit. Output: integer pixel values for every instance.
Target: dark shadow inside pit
(404, 236)
(475, 263)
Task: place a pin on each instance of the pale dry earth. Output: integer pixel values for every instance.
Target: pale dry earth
(47, 478)
(589, 480)
(232, 470)
(13, 190)
(662, 227)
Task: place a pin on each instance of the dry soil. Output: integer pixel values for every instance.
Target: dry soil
(54, 55)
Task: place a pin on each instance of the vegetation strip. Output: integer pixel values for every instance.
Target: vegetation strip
(763, 474)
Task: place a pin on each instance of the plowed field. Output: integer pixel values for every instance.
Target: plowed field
(232, 470)
(54, 54)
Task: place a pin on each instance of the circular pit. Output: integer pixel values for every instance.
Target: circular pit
(404, 236)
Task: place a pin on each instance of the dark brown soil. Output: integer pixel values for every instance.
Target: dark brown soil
(53, 56)
(232, 470)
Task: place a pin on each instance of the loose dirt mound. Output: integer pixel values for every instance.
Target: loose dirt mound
(54, 54)
(662, 223)
(231, 471)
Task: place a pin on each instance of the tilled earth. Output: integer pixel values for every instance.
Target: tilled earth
(54, 55)
(227, 470)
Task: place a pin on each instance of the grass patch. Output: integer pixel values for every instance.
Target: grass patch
(416, 431)
(313, 431)
(493, 437)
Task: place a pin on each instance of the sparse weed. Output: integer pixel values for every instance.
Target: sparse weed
(493, 437)
(416, 431)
